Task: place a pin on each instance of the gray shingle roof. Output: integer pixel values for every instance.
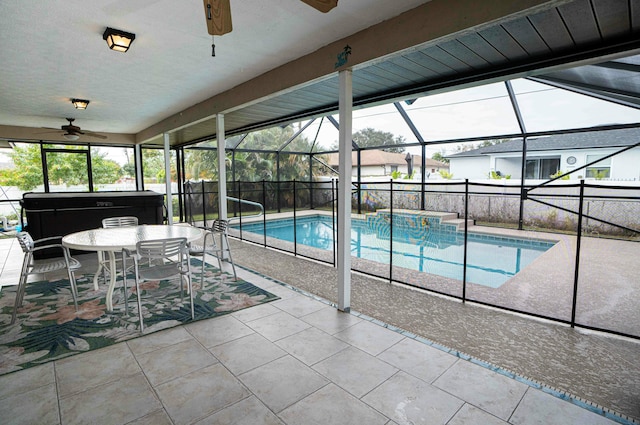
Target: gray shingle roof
(595, 139)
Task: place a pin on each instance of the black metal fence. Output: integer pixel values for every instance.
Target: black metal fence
(470, 241)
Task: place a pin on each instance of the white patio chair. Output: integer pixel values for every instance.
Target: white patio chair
(166, 259)
(119, 221)
(107, 223)
(220, 250)
(31, 266)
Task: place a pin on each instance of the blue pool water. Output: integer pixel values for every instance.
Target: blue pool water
(419, 243)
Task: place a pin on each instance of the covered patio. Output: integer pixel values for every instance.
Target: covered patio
(338, 347)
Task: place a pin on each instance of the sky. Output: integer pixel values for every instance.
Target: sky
(486, 111)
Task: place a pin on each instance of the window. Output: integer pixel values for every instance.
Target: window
(599, 170)
(541, 168)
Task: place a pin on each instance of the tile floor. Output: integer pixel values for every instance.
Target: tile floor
(293, 361)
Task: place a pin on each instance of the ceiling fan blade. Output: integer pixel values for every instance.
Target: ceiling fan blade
(90, 134)
(54, 131)
(322, 5)
(218, 14)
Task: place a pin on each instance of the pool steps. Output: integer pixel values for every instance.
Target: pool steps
(443, 219)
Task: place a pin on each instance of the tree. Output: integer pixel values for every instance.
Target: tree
(201, 164)
(256, 158)
(465, 147)
(105, 171)
(153, 165)
(27, 174)
(372, 138)
(492, 142)
(62, 167)
(439, 157)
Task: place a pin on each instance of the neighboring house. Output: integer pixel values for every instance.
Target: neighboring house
(375, 163)
(549, 155)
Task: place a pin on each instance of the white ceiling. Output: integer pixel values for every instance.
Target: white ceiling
(53, 51)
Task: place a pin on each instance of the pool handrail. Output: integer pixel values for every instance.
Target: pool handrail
(244, 201)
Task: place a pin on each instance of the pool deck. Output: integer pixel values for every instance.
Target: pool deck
(608, 279)
(600, 368)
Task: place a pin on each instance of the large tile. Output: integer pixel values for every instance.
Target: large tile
(114, 403)
(418, 359)
(311, 345)
(409, 400)
(331, 320)
(369, 337)
(38, 406)
(83, 371)
(200, 394)
(331, 405)
(299, 305)
(159, 417)
(280, 291)
(538, 408)
(246, 353)
(278, 326)
(158, 340)
(470, 415)
(26, 380)
(176, 360)
(484, 388)
(255, 312)
(355, 371)
(217, 331)
(249, 411)
(282, 382)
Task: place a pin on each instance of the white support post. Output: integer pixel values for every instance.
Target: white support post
(167, 174)
(222, 168)
(344, 192)
(137, 153)
(222, 179)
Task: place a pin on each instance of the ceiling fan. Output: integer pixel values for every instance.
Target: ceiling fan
(73, 132)
(218, 13)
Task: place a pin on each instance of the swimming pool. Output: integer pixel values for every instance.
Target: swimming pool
(419, 243)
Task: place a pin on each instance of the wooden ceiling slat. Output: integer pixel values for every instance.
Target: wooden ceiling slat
(552, 29)
(326, 92)
(445, 58)
(634, 12)
(308, 97)
(482, 48)
(363, 85)
(401, 73)
(302, 101)
(383, 77)
(527, 37)
(417, 69)
(273, 110)
(438, 68)
(364, 78)
(610, 14)
(464, 54)
(579, 18)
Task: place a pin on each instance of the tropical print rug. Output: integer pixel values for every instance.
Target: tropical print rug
(48, 327)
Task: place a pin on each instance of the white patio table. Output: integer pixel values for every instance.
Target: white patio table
(112, 240)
